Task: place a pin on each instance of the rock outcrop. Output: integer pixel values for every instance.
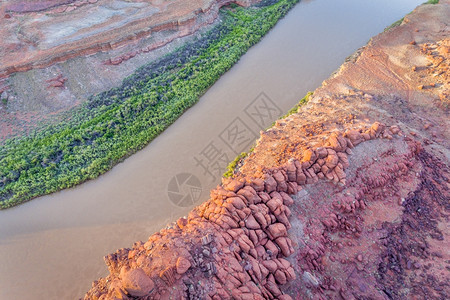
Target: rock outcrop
(38, 34)
(346, 199)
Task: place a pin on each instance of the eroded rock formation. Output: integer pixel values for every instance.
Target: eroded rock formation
(37, 34)
(346, 199)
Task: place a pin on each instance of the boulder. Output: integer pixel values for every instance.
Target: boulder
(287, 200)
(309, 156)
(257, 184)
(136, 282)
(274, 203)
(182, 265)
(249, 193)
(271, 248)
(378, 128)
(277, 230)
(321, 152)
(354, 136)
(232, 184)
(270, 265)
(291, 171)
(279, 177)
(251, 223)
(332, 160)
(270, 184)
(237, 202)
(284, 244)
(280, 277)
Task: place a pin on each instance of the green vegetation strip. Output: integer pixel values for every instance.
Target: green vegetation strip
(113, 125)
(395, 24)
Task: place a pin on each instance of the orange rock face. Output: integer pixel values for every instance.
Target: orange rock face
(350, 207)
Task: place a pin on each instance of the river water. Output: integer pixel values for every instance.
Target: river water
(52, 247)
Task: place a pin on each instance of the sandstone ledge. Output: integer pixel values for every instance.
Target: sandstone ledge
(347, 199)
(38, 42)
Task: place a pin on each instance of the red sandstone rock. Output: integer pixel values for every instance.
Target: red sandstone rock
(183, 265)
(251, 223)
(280, 277)
(270, 265)
(136, 282)
(270, 246)
(270, 184)
(237, 202)
(291, 171)
(250, 194)
(277, 230)
(233, 185)
(287, 200)
(354, 136)
(335, 144)
(394, 129)
(275, 203)
(272, 287)
(332, 160)
(309, 155)
(257, 184)
(182, 222)
(285, 245)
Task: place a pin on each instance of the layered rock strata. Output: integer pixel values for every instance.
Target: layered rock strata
(37, 35)
(346, 199)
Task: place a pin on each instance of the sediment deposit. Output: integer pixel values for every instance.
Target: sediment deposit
(346, 199)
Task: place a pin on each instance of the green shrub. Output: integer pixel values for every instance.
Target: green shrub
(232, 166)
(302, 102)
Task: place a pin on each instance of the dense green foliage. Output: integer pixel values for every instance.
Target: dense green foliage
(432, 2)
(113, 125)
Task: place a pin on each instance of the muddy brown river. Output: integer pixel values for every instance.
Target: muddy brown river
(52, 247)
